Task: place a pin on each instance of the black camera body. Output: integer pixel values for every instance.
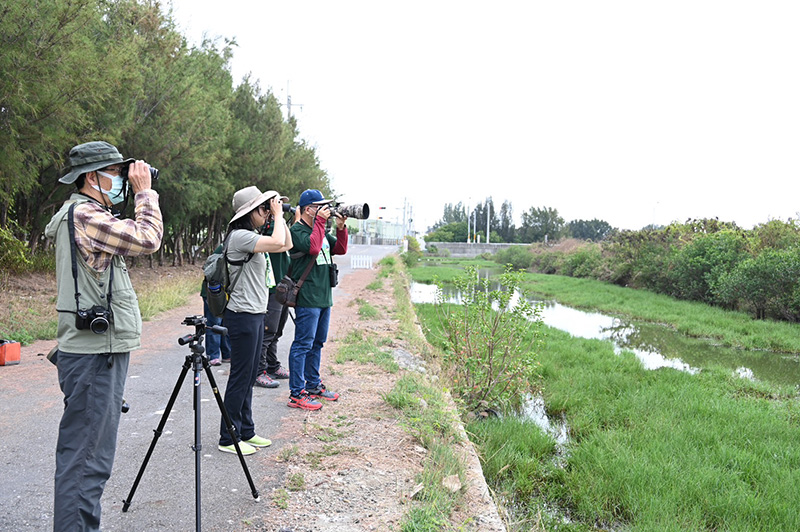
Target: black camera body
(126, 168)
(333, 271)
(96, 319)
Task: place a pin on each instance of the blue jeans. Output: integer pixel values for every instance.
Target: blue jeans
(310, 333)
(215, 342)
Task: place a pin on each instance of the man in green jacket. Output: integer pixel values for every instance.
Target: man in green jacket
(315, 299)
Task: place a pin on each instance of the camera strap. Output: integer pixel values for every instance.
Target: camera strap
(73, 255)
(310, 265)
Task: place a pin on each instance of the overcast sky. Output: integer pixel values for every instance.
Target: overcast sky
(633, 112)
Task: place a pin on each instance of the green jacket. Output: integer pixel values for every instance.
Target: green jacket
(316, 290)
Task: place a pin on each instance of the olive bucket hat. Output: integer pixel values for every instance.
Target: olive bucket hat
(91, 156)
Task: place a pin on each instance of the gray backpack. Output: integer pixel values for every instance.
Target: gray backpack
(217, 278)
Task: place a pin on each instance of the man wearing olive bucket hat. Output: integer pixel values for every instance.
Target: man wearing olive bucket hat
(247, 304)
(98, 319)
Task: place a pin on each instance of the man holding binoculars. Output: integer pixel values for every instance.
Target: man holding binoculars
(98, 318)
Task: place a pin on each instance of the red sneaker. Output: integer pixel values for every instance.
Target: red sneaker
(304, 402)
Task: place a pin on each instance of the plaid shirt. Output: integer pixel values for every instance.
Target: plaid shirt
(99, 235)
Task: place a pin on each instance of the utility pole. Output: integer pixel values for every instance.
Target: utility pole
(488, 206)
(289, 102)
(468, 217)
(405, 205)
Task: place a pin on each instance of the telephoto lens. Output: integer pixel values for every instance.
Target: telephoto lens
(359, 212)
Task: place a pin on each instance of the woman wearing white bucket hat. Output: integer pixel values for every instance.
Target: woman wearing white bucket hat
(244, 314)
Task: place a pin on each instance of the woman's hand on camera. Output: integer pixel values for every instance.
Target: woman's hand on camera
(276, 207)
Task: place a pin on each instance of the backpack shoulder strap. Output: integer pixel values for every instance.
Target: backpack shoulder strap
(234, 263)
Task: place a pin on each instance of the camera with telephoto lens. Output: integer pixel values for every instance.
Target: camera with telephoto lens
(96, 319)
(359, 212)
(126, 168)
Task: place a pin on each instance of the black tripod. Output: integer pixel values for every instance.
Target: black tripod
(198, 361)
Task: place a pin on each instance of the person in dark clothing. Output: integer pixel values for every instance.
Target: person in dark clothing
(269, 368)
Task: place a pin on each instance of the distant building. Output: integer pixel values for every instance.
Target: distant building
(378, 232)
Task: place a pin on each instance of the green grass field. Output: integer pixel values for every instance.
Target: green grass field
(647, 450)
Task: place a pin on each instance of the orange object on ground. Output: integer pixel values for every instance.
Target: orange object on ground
(9, 353)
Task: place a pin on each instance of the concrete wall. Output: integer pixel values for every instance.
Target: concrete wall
(466, 249)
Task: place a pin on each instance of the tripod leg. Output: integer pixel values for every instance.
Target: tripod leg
(229, 426)
(198, 445)
(158, 431)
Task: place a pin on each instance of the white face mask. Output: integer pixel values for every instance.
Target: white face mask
(116, 194)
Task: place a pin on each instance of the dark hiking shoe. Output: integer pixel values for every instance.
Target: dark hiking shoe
(264, 381)
(323, 393)
(280, 373)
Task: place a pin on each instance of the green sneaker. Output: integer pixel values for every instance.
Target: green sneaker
(258, 441)
(245, 448)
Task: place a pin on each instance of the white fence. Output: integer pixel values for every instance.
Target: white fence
(361, 262)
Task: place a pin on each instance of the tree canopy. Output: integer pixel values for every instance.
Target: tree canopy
(538, 224)
(118, 70)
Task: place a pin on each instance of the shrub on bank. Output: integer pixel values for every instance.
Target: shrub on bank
(519, 257)
(491, 341)
(701, 260)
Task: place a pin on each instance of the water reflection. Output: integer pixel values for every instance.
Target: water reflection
(621, 333)
(533, 409)
(656, 346)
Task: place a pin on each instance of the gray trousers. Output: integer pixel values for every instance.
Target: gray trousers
(93, 386)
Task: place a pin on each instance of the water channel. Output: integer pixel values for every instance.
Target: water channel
(655, 345)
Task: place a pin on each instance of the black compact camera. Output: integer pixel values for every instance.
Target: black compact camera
(126, 168)
(333, 271)
(96, 319)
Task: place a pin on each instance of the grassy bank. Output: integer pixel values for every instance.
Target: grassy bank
(422, 406)
(446, 269)
(647, 450)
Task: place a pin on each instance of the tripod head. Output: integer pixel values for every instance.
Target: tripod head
(199, 324)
